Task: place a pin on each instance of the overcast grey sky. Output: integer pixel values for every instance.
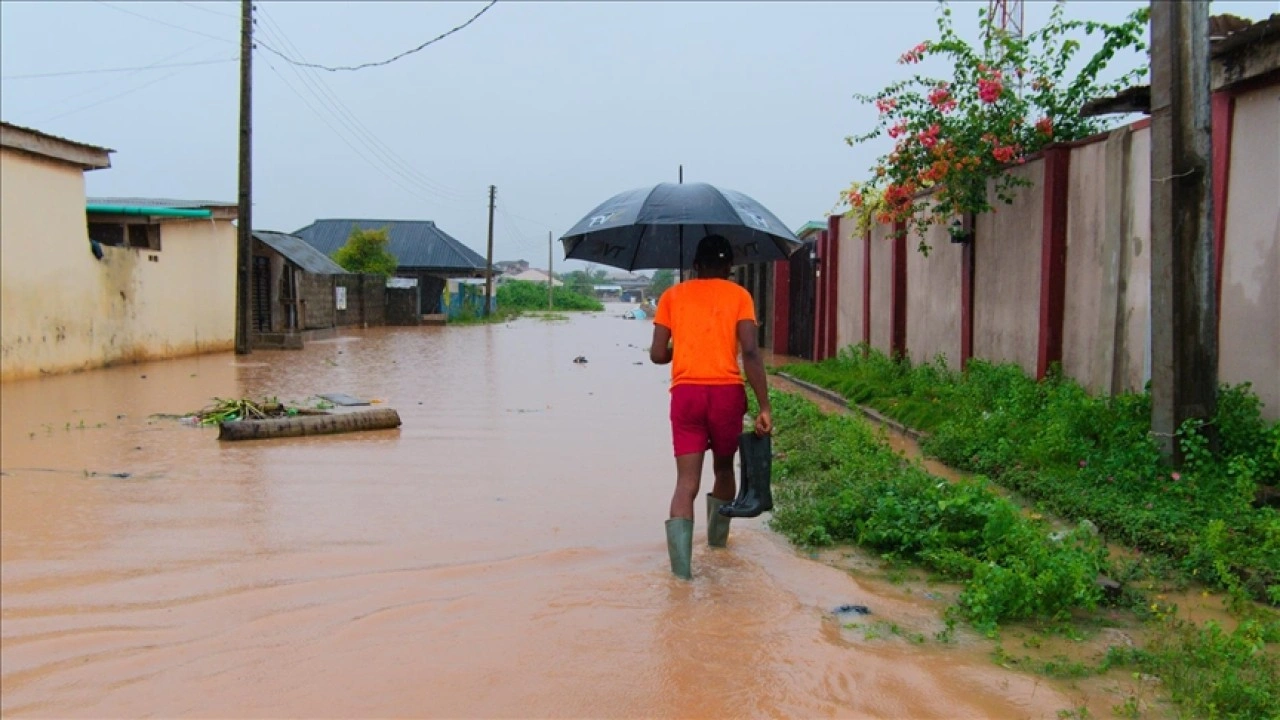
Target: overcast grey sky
(558, 104)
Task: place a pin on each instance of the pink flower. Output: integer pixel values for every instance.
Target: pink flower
(914, 54)
(939, 95)
(884, 105)
(898, 129)
(1005, 154)
(989, 90)
(1175, 476)
(929, 137)
(1084, 463)
(947, 106)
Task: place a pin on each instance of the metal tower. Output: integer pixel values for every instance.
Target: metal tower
(1007, 15)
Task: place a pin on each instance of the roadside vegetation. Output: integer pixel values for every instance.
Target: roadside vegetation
(1087, 460)
(521, 297)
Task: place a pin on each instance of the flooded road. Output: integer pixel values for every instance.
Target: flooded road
(500, 555)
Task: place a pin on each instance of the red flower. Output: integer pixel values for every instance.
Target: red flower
(1045, 126)
(990, 89)
(914, 54)
(898, 129)
(884, 105)
(939, 95)
(1005, 153)
(929, 137)
(947, 106)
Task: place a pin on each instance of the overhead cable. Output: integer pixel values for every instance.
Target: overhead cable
(329, 101)
(378, 63)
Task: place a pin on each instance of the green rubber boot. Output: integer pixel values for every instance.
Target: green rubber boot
(680, 546)
(717, 524)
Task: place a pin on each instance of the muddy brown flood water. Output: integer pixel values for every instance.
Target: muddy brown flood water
(500, 555)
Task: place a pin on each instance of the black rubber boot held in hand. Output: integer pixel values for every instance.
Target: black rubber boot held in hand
(755, 497)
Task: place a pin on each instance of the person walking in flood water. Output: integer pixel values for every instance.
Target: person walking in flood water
(700, 327)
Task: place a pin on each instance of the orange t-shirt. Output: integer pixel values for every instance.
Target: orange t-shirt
(703, 317)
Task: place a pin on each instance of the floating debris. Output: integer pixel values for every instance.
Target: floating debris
(231, 410)
(855, 609)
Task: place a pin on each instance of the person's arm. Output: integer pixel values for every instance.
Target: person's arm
(660, 351)
(753, 363)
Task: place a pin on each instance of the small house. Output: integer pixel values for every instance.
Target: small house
(422, 250)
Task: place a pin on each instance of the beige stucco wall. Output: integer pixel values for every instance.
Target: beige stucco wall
(1006, 293)
(881, 286)
(849, 252)
(933, 297)
(47, 311)
(1093, 262)
(63, 310)
(1249, 341)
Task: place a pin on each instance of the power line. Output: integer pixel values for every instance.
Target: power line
(109, 99)
(342, 137)
(157, 21)
(109, 83)
(193, 6)
(153, 66)
(388, 61)
(320, 90)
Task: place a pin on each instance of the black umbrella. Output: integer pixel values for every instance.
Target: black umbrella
(660, 226)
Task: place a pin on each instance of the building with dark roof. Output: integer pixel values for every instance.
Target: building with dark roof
(422, 249)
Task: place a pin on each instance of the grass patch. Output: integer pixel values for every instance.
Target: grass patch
(1085, 457)
(837, 480)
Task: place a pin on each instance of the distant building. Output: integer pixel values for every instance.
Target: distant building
(422, 249)
(532, 275)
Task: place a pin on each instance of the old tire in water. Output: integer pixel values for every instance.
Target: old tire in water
(299, 426)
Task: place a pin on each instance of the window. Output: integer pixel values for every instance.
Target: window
(139, 236)
(144, 237)
(107, 233)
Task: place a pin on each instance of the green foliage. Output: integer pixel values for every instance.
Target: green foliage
(366, 252)
(837, 481)
(522, 295)
(662, 281)
(1093, 458)
(999, 103)
(583, 282)
(1212, 673)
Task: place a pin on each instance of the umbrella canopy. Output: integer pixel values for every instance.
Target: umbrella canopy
(660, 226)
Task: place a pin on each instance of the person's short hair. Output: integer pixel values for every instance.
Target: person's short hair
(714, 251)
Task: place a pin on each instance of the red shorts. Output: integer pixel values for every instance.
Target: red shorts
(707, 416)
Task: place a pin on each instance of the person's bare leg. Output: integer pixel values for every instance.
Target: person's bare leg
(726, 484)
(688, 480)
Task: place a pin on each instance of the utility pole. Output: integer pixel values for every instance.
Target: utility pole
(244, 216)
(1184, 326)
(488, 273)
(551, 275)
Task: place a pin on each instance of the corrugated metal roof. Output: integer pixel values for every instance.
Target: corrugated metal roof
(161, 202)
(415, 243)
(49, 136)
(299, 252)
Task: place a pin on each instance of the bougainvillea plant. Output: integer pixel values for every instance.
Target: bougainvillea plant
(1005, 100)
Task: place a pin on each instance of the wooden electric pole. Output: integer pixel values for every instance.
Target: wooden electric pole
(1184, 327)
(488, 273)
(244, 216)
(551, 274)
